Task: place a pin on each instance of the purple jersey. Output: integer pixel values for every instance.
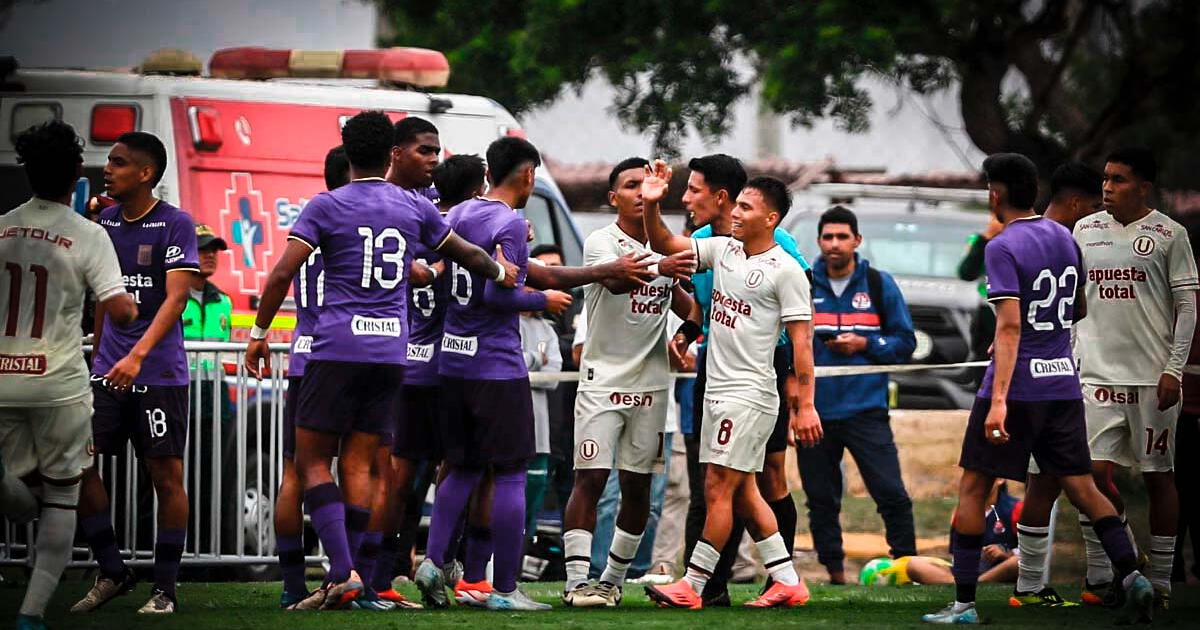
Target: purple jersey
(481, 338)
(365, 230)
(1037, 262)
(308, 290)
(426, 311)
(163, 240)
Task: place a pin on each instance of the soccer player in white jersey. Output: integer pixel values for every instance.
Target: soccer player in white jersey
(758, 289)
(1131, 348)
(621, 408)
(51, 255)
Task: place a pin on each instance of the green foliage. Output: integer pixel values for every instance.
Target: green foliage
(1088, 74)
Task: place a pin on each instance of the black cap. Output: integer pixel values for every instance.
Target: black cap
(206, 238)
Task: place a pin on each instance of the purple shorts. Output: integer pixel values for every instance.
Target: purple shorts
(418, 433)
(1052, 431)
(153, 417)
(289, 417)
(340, 397)
(487, 422)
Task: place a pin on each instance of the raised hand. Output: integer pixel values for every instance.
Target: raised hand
(658, 179)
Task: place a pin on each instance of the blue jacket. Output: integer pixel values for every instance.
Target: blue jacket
(892, 341)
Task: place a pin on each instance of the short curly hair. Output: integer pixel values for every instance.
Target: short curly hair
(367, 138)
(51, 154)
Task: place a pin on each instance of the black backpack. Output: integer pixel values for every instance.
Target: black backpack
(874, 290)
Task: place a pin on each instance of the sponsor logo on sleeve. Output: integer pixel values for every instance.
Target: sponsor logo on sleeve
(460, 345)
(1043, 368)
(174, 254)
(420, 352)
(375, 326)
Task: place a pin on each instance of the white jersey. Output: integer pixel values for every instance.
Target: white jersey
(625, 349)
(752, 297)
(49, 256)
(1132, 271)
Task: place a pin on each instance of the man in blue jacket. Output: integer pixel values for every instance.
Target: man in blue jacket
(859, 318)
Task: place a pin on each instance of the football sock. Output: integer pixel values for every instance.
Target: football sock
(1033, 543)
(1117, 545)
(368, 555)
(701, 565)
(385, 564)
(577, 551)
(290, 550)
(479, 550)
(357, 518)
(777, 559)
(785, 515)
(620, 556)
(965, 550)
(1162, 559)
(168, 550)
(17, 502)
(1099, 570)
(56, 531)
(98, 532)
(508, 529)
(1129, 530)
(328, 514)
(449, 505)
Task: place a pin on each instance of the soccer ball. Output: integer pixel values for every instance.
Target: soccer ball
(879, 572)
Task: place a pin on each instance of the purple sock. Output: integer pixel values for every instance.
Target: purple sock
(368, 553)
(965, 549)
(291, 563)
(328, 513)
(385, 564)
(449, 504)
(479, 551)
(457, 538)
(357, 518)
(508, 529)
(1115, 540)
(168, 550)
(98, 532)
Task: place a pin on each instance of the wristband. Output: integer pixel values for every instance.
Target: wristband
(690, 331)
(500, 275)
(257, 333)
(433, 270)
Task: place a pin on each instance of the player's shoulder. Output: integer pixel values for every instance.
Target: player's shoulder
(602, 237)
(1163, 225)
(1095, 222)
(174, 215)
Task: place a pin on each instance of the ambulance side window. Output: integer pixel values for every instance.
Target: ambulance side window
(551, 225)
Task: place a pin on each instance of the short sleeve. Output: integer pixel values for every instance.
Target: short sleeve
(180, 252)
(513, 238)
(1003, 282)
(434, 228)
(307, 228)
(1182, 264)
(102, 270)
(599, 248)
(708, 250)
(795, 295)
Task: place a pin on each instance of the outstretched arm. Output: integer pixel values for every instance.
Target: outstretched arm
(654, 188)
(624, 274)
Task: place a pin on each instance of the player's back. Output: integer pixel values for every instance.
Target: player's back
(1036, 261)
(477, 341)
(50, 256)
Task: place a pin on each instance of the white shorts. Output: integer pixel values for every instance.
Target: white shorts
(56, 441)
(1125, 426)
(625, 425)
(734, 434)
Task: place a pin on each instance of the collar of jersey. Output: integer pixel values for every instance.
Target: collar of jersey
(369, 179)
(496, 201)
(49, 205)
(142, 215)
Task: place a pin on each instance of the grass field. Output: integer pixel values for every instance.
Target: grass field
(254, 605)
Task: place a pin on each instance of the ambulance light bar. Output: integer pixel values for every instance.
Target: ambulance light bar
(418, 67)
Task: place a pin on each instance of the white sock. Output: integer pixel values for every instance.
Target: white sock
(17, 502)
(577, 550)
(1033, 543)
(1162, 559)
(775, 558)
(701, 565)
(620, 556)
(1099, 569)
(56, 531)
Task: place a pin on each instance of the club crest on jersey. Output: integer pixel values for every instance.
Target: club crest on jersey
(588, 450)
(145, 255)
(1143, 245)
(754, 278)
(861, 301)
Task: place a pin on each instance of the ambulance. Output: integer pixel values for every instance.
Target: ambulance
(246, 143)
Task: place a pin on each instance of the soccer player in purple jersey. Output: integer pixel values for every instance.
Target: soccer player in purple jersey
(1030, 402)
(489, 414)
(309, 293)
(140, 372)
(350, 391)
